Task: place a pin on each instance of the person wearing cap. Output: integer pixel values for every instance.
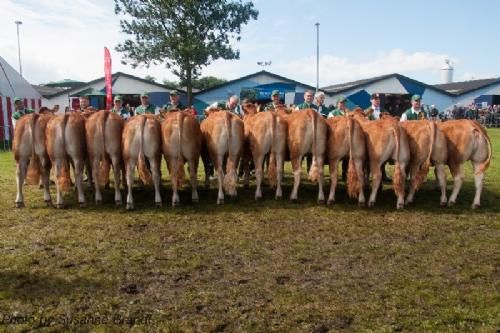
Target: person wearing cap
(84, 103)
(145, 107)
(119, 109)
(340, 111)
(319, 101)
(19, 111)
(175, 102)
(231, 105)
(415, 112)
(374, 111)
(308, 102)
(271, 106)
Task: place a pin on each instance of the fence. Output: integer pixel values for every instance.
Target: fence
(6, 144)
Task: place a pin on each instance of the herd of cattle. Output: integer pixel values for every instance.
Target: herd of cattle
(96, 141)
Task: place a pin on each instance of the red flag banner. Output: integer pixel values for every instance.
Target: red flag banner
(107, 79)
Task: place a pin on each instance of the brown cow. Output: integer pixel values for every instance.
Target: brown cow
(307, 133)
(223, 135)
(265, 133)
(65, 139)
(31, 155)
(104, 145)
(181, 141)
(385, 140)
(141, 139)
(346, 139)
(466, 141)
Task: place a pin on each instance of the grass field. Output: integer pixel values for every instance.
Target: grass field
(251, 266)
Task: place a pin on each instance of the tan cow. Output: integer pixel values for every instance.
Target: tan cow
(346, 140)
(104, 145)
(385, 140)
(181, 141)
(466, 141)
(31, 155)
(141, 140)
(307, 133)
(223, 135)
(265, 134)
(65, 139)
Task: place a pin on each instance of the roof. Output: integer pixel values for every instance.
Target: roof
(254, 74)
(46, 91)
(338, 88)
(460, 88)
(114, 77)
(13, 84)
(66, 83)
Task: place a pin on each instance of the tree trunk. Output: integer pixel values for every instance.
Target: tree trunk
(189, 86)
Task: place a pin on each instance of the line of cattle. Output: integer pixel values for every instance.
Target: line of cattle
(99, 140)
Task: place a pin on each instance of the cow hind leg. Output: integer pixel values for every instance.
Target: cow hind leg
(220, 179)
(413, 184)
(21, 172)
(95, 176)
(130, 168)
(155, 171)
(457, 172)
(117, 170)
(333, 181)
(79, 167)
(297, 168)
(193, 177)
(359, 165)
(172, 169)
(478, 181)
(376, 179)
(45, 170)
(441, 180)
(321, 179)
(259, 163)
(279, 176)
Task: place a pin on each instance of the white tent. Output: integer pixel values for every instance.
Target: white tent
(13, 85)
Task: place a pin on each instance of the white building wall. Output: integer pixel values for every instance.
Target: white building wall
(126, 85)
(439, 100)
(468, 98)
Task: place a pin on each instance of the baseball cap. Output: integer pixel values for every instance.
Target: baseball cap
(118, 98)
(275, 92)
(144, 94)
(341, 99)
(416, 97)
(375, 96)
(17, 99)
(174, 93)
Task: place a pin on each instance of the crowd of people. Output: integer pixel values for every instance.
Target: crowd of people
(488, 116)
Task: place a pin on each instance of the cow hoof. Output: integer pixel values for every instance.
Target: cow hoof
(321, 201)
(118, 203)
(330, 202)
(48, 203)
(409, 203)
(220, 201)
(443, 203)
(257, 198)
(278, 197)
(361, 204)
(20, 204)
(98, 202)
(451, 203)
(157, 204)
(400, 206)
(371, 204)
(195, 200)
(475, 206)
(83, 205)
(130, 206)
(176, 204)
(60, 206)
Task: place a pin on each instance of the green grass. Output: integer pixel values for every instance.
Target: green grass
(251, 266)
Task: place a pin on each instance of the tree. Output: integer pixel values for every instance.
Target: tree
(207, 82)
(150, 78)
(186, 35)
(172, 84)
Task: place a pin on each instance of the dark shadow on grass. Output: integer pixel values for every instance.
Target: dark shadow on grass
(30, 286)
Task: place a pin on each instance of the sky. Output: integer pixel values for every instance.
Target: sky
(358, 39)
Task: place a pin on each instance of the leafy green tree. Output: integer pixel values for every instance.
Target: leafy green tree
(186, 35)
(207, 82)
(171, 84)
(150, 78)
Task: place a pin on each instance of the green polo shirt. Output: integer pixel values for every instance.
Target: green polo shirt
(18, 114)
(170, 106)
(306, 105)
(336, 113)
(142, 110)
(323, 110)
(410, 115)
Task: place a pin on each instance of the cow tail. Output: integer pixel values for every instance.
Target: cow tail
(272, 173)
(353, 184)
(486, 163)
(33, 176)
(424, 168)
(63, 178)
(314, 171)
(397, 179)
(230, 177)
(144, 172)
(104, 167)
(179, 167)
